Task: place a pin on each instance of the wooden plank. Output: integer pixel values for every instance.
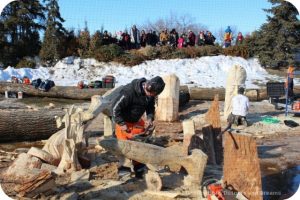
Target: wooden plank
(241, 165)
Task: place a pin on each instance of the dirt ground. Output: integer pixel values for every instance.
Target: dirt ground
(278, 145)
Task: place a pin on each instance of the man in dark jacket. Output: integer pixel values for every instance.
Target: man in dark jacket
(134, 100)
(209, 38)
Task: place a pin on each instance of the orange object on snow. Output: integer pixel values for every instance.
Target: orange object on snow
(296, 105)
(134, 129)
(80, 85)
(26, 81)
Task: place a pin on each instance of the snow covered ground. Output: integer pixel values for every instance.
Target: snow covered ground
(210, 71)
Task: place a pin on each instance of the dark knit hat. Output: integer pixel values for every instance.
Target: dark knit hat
(241, 90)
(156, 85)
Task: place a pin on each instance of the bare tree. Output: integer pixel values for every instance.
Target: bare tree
(180, 23)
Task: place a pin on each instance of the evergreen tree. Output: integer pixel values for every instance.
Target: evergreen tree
(52, 48)
(21, 21)
(278, 40)
(2, 43)
(84, 42)
(70, 44)
(95, 42)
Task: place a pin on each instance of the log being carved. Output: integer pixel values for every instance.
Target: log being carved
(236, 77)
(64, 144)
(168, 100)
(154, 157)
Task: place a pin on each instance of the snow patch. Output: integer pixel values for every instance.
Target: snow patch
(209, 71)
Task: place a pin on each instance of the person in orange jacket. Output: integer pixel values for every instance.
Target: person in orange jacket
(134, 100)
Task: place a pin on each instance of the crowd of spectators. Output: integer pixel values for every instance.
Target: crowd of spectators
(135, 39)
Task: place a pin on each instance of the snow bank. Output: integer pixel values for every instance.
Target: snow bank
(210, 71)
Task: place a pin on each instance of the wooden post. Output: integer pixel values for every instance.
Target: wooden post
(208, 137)
(236, 77)
(241, 165)
(108, 126)
(168, 100)
(188, 132)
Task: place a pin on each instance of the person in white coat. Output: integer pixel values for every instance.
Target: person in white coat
(135, 37)
(240, 108)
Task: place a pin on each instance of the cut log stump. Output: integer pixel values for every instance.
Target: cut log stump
(153, 181)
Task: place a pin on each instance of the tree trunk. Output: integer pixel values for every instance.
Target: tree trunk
(67, 92)
(70, 92)
(26, 124)
(209, 93)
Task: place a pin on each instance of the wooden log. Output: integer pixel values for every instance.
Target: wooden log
(206, 93)
(43, 155)
(213, 115)
(209, 93)
(236, 77)
(108, 126)
(252, 94)
(69, 161)
(163, 194)
(70, 92)
(188, 132)
(209, 147)
(153, 181)
(241, 165)
(154, 156)
(27, 124)
(67, 92)
(168, 100)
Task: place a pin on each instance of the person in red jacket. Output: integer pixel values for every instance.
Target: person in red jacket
(181, 42)
(239, 39)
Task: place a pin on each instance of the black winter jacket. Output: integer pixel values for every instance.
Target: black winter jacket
(132, 103)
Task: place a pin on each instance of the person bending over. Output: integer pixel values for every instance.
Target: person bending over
(134, 100)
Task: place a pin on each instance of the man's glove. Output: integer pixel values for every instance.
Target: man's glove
(149, 123)
(125, 128)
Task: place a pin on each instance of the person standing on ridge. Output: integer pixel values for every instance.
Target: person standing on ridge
(227, 37)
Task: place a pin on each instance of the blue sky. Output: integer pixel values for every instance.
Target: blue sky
(114, 15)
